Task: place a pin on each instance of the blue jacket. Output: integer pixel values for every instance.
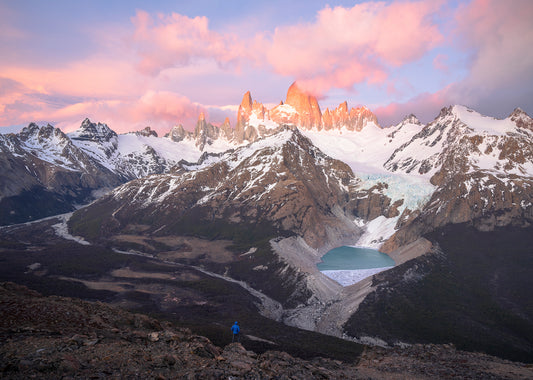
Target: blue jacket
(235, 328)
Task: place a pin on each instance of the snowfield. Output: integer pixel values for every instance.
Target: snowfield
(350, 277)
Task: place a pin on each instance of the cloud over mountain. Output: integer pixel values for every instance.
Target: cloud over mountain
(392, 56)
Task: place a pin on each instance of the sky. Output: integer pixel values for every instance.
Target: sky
(133, 64)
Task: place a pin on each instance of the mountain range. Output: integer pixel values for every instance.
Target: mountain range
(286, 185)
(463, 165)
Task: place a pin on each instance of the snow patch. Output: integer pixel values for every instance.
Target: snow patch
(376, 232)
(350, 277)
(364, 151)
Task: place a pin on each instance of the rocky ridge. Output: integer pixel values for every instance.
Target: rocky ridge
(43, 172)
(299, 109)
(105, 146)
(79, 339)
(204, 134)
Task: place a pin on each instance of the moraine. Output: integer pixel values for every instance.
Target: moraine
(349, 265)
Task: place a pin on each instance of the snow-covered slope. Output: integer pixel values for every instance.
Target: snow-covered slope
(462, 137)
(135, 155)
(367, 150)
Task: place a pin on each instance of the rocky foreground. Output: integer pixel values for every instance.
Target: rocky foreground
(57, 337)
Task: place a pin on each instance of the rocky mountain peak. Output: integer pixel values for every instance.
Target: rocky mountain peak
(147, 132)
(35, 134)
(226, 129)
(245, 108)
(308, 112)
(30, 129)
(177, 133)
(518, 111)
(247, 101)
(300, 109)
(201, 125)
(93, 132)
(445, 111)
(205, 132)
(411, 119)
(521, 119)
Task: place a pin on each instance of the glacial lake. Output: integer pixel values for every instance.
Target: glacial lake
(349, 265)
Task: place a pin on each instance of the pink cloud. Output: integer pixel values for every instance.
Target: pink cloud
(440, 62)
(158, 109)
(345, 46)
(425, 106)
(91, 77)
(500, 35)
(342, 47)
(496, 36)
(176, 40)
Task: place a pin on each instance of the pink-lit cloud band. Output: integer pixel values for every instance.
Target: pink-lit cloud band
(164, 68)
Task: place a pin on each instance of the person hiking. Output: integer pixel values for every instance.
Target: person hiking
(235, 329)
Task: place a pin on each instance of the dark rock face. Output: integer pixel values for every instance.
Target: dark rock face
(177, 133)
(205, 133)
(147, 132)
(481, 198)
(370, 203)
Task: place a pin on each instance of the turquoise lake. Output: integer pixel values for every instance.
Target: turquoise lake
(351, 258)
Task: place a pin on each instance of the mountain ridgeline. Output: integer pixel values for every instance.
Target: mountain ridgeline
(266, 199)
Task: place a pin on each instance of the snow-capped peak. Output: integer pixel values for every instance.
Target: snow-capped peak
(521, 119)
(410, 119)
(92, 132)
(485, 125)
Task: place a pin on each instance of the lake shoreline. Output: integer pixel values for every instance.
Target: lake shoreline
(347, 277)
(348, 265)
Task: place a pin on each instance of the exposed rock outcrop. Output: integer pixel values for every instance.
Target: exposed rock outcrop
(306, 109)
(90, 131)
(147, 132)
(302, 110)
